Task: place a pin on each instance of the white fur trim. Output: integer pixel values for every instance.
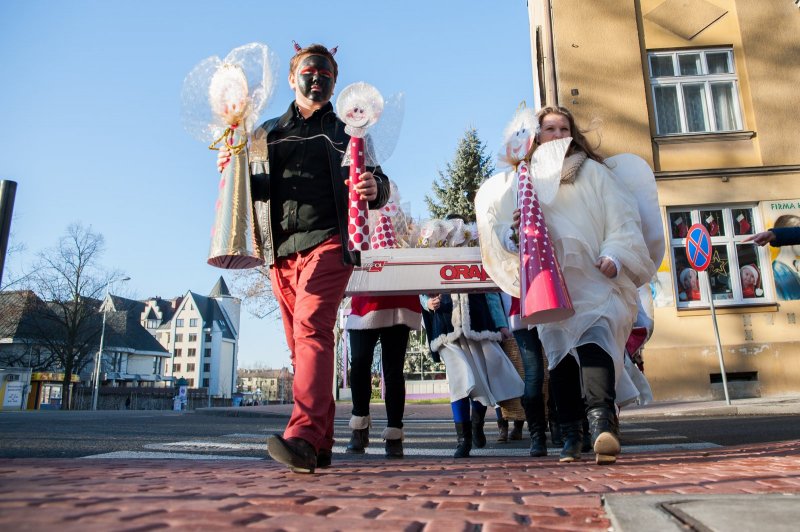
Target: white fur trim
(392, 433)
(466, 324)
(360, 422)
(462, 326)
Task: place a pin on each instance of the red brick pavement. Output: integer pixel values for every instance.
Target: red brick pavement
(494, 493)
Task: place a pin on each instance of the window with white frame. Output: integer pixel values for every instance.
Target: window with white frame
(736, 272)
(695, 91)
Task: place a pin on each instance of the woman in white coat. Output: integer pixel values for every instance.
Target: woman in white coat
(595, 228)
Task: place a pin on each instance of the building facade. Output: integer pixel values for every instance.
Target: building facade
(706, 92)
(201, 334)
(270, 385)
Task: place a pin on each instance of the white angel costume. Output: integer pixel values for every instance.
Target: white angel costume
(592, 214)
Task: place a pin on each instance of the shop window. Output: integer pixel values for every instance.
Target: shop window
(736, 273)
(695, 91)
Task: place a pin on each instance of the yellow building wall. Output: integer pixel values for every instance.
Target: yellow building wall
(600, 49)
(597, 54)
(771, 38)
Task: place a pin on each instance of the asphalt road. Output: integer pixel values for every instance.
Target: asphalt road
(165, 434)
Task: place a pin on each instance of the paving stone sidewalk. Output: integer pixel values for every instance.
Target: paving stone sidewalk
(489, 494)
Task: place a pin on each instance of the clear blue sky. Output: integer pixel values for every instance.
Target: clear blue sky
(90, 122)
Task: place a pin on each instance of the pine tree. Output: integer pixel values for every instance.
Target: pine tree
(460, 181)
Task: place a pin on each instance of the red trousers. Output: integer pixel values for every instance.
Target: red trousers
(309, 286)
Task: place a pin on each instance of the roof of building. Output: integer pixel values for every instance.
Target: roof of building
(124, 331)
(123, 303)
(211, 311)
(220, 289)
(18, 311)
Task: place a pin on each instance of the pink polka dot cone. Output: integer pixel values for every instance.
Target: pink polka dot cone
(383, 236)
(544, 293)
(357, 227)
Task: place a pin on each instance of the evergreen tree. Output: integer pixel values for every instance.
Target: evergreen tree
(460, 181)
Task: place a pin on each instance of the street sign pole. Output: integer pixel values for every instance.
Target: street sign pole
(698, 251)
(719, 343)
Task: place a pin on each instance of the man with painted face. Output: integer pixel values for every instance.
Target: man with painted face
(300, 193)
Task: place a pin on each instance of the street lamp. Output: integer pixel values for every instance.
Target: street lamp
(98, 358)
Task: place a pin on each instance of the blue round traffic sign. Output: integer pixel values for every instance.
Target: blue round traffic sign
(698, 247)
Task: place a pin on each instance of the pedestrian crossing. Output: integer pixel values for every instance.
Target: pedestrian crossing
(424, 438)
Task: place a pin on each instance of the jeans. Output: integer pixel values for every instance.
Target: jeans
(533, 398)
(394, 341)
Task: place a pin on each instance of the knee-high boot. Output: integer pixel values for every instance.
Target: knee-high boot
(464, 432)
(536, 426)
(478, 417)
(572, 441)
(605, 434)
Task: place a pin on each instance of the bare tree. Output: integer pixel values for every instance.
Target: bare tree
(69, 284)
(254, 288)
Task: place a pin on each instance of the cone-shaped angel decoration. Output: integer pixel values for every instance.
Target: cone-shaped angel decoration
(222, 100)
(359, 106)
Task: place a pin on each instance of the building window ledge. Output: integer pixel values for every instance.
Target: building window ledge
(704, 137)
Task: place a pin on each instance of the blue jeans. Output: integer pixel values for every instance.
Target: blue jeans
(533, 397)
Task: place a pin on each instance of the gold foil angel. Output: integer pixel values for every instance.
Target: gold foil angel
(222, 100)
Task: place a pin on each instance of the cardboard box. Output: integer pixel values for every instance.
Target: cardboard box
(420, 271)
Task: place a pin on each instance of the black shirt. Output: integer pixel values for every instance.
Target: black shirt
(301, 184)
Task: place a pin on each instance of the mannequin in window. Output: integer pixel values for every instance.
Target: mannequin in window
(750, 281)
(689, 285)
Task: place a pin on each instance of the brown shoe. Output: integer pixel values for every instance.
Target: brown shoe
(296, 453)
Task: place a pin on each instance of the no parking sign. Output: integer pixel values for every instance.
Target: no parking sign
(698, 247)
(698, 251)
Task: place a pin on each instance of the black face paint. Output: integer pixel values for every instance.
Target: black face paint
(314, 78)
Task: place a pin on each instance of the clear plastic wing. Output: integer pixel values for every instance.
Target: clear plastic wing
(203, 98)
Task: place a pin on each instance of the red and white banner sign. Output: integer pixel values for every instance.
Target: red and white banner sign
(420, 271)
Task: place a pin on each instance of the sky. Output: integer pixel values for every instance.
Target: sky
(91, 130)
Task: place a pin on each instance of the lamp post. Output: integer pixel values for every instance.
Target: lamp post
(98, 358)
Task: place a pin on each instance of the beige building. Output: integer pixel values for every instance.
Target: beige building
(708, 93)
(267, 385)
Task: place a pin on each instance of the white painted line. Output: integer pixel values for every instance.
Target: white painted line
(127, 455)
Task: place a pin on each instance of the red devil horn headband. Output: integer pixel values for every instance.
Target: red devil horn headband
(332, 51)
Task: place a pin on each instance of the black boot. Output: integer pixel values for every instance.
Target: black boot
(586, 438)
(538, 444)
(534, 415)
(464, 432)
(516, 432)
(605, 434)
(555, 434)
(502, 430)
(478, 436)
(538, 438)
(572, 441)
(358, 441)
